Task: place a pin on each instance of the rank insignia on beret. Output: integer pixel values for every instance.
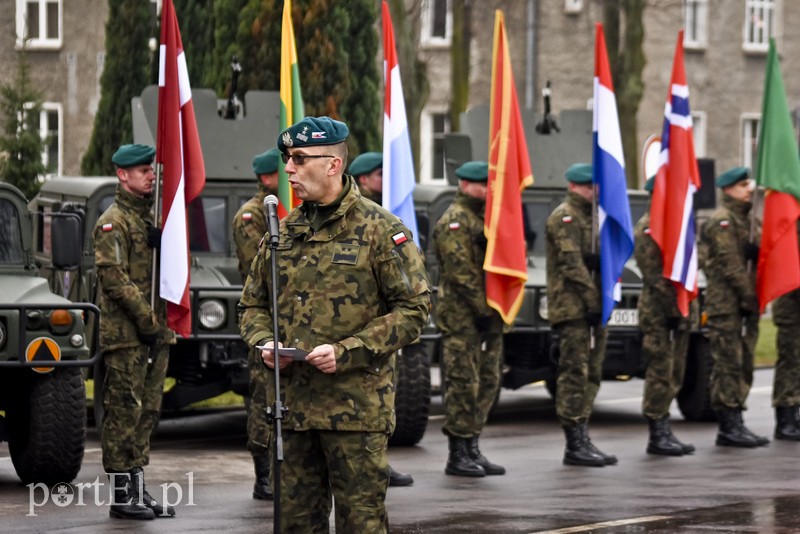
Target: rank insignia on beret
(247, 216)
(725, 223)
(566, 218)
(454, 226)
(647, 231)
(399, 238)
(317, 135)
(287, 139)
(108, 227)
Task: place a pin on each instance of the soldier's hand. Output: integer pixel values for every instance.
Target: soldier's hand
(593, 318)
(153, 236)
(751, 251)
(673, 323)
(323, 358)
(148, 339)
(749, 306)
(482, 324)
(592, 262)
(267, 355)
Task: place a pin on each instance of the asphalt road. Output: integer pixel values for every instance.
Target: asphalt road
(717, 489)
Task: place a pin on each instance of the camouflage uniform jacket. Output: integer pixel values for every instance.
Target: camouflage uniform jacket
(356, 282)
(729, 286)
(124, 266)
(658, 300)
(460, 251)
(249, 225)
(571, 292)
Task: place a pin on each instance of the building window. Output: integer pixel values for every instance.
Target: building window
(750, 124)
(39, 24)
(759, 24)
(699, 133)
(437, 22)
(51, 130)
(573, 6)
(433, 126)
(695, 22)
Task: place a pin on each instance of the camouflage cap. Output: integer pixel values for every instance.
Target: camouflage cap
(731, 176)
(474, 171)
(131, 155)
(650, 183)
(366, 163)
(313, 131)
(266, 163)
(579, 173)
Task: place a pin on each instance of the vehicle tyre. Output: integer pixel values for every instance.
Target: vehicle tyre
(694, 398)
(48, 427)
(413, 395)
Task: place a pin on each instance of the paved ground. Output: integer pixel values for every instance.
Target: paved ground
(715, 490)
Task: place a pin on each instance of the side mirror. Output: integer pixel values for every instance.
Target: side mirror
(67, 242)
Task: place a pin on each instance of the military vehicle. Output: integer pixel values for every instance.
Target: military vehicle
(213, 359)
(43, 344)
(531, 349)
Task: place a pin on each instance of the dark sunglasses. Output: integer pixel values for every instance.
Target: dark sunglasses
(300, 159)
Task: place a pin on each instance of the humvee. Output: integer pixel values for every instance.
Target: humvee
(43, 344)
(213, 359)
(531, 348)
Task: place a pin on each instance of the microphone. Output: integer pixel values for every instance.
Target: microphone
(271, 205)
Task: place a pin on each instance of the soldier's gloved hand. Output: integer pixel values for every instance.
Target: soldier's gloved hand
(592, 262)
(482, 324)
(673, 323)
(148, 340)
(593, 318)
(751, 251)
(153, 236)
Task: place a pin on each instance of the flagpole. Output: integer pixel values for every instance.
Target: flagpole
(156, 217)
(592, 340)
(750, 237)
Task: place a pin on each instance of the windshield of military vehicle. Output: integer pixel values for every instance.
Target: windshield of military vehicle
(208, 225)
(534, 217)
(11, 234)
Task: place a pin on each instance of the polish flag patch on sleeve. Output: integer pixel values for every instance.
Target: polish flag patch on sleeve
(566, 219)
(247, 216)
(107, 227)
(647, 231)
(399, 238)
(725, 223)
(454, 226)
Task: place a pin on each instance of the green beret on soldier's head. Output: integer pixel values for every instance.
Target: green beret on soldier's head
(266, 163)
(474, 171)
(580, 173)
(731, 176)
(650, 183)
(132, 155)
(313, 131)
(366, 163)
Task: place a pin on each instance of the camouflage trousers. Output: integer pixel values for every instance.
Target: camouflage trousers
(350, 467)
(580, 370)
(472, 364)
(786, 382)
(258, 428)
(665, 354)
(132, 393)
(733, 356)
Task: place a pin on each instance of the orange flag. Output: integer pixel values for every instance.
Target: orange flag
(509, 173)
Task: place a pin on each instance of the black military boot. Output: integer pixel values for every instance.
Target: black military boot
(609, 459)
(261, 489)
(458, 462)
(398, 480)
(138, 490)
(659, 441)
(688, 448)
(732, 432)
(481, 460)
(577, 451)
(786, 424)
(125, 505)
(760, 440)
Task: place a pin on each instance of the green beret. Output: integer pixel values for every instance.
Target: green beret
(266, 163)
(366, 163)
(313, 131)
(580, 173)
(731, 176)
(132, 155)
(474, 171)
(648, 185)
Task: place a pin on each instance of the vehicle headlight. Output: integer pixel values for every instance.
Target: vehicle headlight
(2, 335)
(543, 307)
(211, 314)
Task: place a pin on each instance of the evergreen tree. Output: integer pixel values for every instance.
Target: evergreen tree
(228, 14)
(125, 74)
(197, 23)
(20, 142)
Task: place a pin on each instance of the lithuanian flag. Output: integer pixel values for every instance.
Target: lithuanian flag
(291, 102)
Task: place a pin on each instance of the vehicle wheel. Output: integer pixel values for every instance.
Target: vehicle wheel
(48, 427)
(413, 395)
(694, 398)
(99, 376)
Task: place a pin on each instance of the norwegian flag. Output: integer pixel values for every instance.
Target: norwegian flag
(184, 175)
(672, 223)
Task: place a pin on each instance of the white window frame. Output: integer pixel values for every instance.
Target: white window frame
(699, 128)
(695, 15)
(44, 131)
(426, 29)
(750, 124)
(572, 7)
(427, 138)
(755, 35)
(40, 43)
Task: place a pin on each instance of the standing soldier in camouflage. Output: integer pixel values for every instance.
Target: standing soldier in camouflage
(786, 382)
(665, 340)
(134, 337)
(472, 332)
(732, 306)
(249, 226)
(573, 309)
(352, 291)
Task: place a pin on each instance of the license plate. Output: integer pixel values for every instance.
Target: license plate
(624, 317)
